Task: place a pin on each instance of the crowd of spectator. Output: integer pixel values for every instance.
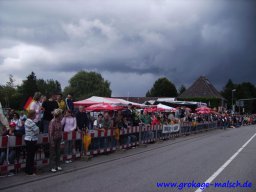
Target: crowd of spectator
(55, 115)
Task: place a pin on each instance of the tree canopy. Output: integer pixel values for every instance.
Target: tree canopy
(15, 96)
(86, 84)
(243, 90)
(162, 88)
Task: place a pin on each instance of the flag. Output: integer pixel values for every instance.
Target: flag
(28, 103)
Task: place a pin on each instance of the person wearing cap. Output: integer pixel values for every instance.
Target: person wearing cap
(55, 136)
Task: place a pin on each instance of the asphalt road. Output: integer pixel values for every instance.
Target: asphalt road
(183, 160)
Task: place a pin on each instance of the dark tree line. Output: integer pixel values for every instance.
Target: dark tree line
(82, 85)
(244, 90)
(15, 96)
(85, 84)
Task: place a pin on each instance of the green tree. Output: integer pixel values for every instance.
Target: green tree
(227, 92)
(243, 90)
(27, 88)
(9, 94)
(162, 88)
(86, 84)
(246, 90)
(48, 87)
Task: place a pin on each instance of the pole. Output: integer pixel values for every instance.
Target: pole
(232, 100)
(233, 108)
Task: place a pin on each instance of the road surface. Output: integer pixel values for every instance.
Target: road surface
(191, 159)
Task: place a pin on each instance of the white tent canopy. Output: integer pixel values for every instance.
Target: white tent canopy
(96, 100)
(166, 108)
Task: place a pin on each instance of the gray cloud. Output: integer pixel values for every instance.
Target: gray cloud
(133, 39)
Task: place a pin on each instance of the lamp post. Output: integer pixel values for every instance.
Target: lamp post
(233, 108)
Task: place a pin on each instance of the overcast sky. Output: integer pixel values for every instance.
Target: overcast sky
(131, 43)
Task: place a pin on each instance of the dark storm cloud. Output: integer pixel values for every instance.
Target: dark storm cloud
(136, 39)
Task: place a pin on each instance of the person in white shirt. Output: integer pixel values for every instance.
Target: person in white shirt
(69, 123)
(36, 106)
(31, 137)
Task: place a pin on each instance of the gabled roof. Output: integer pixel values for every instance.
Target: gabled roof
(201, 88)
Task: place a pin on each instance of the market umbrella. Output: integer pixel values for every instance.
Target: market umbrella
(103, 107)
(203, 109)
(160, 108)
(203, 112)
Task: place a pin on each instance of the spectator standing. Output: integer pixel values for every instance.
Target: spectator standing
(82, 119)
(82, 124)
(128, 114)
(61, 102)
(69, 103)
(98, 125)
(155, 119)
(10, 132)
(16, 120)
(36, 106)
(48, 106)
(31, 137)
(145, 118)
(10, 114)
(22, 128)
(107, 121)
(22, 115)
(55, 136)
(119, 121)
(70, 124)
(91, 121)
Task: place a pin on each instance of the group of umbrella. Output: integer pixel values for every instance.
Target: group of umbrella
(99, 104)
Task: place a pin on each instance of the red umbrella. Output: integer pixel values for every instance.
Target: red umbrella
(151, 109)
(103, 107)
(203, 112)
(160, 108)
(203, 109)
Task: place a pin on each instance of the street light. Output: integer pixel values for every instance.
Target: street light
(233, 108)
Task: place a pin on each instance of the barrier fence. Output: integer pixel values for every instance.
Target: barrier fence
(94, 142)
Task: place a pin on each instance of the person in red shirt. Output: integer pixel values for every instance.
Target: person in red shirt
(155, 120)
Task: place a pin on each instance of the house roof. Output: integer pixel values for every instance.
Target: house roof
(201, 88)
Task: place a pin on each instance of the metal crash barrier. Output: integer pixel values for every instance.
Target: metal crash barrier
(94, 142)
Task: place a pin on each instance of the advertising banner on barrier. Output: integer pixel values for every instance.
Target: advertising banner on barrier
(171, 128)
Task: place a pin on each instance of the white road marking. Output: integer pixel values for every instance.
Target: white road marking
(210, 179)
